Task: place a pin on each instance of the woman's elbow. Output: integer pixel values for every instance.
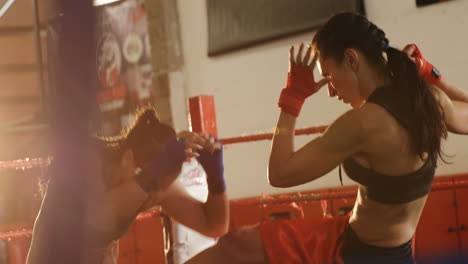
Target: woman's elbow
(457, 128)
(272, 177)
(221, 231)
(215, 231)
(274, 182)
(276, 179)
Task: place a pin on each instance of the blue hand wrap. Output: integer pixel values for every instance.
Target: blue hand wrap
(213, 165)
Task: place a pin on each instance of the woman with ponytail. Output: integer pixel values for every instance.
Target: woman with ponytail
(389, 143)
(130, 174)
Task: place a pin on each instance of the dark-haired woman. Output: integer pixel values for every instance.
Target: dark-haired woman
(389, 143)
(135, 172)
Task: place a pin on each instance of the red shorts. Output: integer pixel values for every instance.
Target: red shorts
(304, 240)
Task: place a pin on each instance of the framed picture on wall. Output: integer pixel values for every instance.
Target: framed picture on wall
(233, 25)
(420, 3)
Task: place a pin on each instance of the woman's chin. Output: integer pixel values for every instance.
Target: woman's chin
(356, 104)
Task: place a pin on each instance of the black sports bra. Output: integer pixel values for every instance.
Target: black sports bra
(392, 189)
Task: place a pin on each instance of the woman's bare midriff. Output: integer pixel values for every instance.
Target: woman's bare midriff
(385, 225)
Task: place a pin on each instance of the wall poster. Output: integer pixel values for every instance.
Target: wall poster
(123, 60)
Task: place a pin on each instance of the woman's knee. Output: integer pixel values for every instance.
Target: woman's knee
(240, 246)
(242, 241)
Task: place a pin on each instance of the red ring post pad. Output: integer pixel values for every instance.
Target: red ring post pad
(203, 114)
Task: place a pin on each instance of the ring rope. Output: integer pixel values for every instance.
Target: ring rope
(269, 136)
(29, 163)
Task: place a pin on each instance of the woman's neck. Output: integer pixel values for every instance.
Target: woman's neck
(371, 81)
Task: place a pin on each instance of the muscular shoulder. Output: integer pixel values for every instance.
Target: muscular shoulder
(375, 126)
(368, 119)
(355, 128)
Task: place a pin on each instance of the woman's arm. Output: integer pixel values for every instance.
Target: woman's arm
(455, 107)
(210, 218)
(342, 138)
(455, 113)
(453, 92)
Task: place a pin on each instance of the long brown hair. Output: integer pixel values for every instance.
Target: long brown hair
(350, 30)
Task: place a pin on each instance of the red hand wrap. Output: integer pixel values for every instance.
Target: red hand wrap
(299, 86)
(427, 71)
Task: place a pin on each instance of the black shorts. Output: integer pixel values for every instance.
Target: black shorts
(355, 251)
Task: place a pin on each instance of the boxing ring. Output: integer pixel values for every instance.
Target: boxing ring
(442, 228)
(452, 188)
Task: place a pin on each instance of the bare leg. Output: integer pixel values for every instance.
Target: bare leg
(243, 245)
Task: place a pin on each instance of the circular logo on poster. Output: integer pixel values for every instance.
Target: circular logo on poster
(133, 48)
(109, 60)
